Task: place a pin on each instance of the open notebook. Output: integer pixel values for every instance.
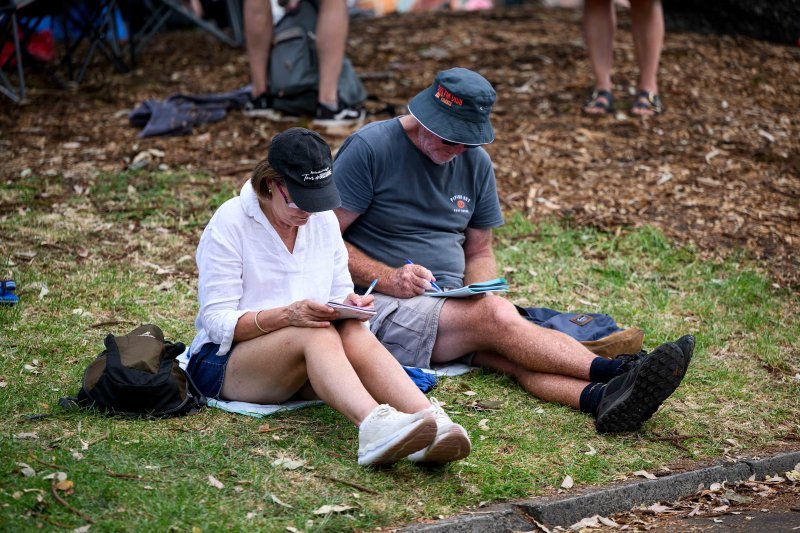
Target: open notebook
(493, 285)
(352, 311)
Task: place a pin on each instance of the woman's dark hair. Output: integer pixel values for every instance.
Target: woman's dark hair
(262, 175)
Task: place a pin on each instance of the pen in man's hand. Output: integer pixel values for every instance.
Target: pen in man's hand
(433, 284)
(371, 286)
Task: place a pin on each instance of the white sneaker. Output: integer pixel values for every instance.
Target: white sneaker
(387, 435)
(451, 443)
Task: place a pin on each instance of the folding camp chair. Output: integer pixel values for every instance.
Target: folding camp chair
(163, 9)
(12, 43)
(93, 21)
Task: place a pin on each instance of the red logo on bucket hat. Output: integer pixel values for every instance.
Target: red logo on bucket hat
(446, 97)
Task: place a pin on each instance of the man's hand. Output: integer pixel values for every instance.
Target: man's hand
(408, 281)
(309, 314)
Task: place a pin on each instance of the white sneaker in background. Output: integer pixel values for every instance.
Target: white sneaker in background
(451, 443)
(387, 435)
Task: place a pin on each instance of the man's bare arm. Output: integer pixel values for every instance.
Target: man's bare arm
(402, 282)
(478, 256)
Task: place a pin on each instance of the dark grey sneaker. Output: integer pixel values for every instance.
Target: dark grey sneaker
(686, 344)
(342, 116)
(632, 398)
(261, 107)
(629, 361)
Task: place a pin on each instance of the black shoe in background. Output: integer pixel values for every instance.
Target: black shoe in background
(342, 116)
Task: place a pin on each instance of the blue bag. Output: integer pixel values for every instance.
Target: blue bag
(598, 332)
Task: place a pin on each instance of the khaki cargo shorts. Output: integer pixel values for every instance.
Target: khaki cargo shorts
(407, 327)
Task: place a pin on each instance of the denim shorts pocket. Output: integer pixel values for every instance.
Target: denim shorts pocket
(207, 369)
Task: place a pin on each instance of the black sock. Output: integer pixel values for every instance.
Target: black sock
(591, 396)
(603, 370)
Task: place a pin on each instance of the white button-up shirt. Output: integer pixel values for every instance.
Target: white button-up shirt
(245, 266)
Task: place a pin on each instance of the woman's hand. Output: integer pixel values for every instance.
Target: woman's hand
(309, 314)
(360, 301)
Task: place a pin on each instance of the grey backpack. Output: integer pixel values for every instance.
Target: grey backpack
(293, 70)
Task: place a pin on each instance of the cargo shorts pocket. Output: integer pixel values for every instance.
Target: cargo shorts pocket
(403, 331)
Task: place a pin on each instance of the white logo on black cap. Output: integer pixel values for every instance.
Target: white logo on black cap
(316, 175)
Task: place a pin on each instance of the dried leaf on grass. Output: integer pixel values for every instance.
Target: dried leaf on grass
(289, 463)
(277, 500)
(568, 483)
(26, 470)
(214, 482)
(486, 405)
(328, 509)
(65, 485)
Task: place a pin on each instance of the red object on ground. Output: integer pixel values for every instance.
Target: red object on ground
(40, 46)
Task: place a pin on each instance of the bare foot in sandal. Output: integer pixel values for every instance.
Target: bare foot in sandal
(599, 102)
(647, 104)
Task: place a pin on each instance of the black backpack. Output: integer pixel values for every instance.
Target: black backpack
(138, 375)
(293, 66)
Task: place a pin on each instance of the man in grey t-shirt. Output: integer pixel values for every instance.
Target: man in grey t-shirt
(418, 207)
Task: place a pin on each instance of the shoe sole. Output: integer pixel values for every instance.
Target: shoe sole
(407, 440)
(657, 379)
(452, 446)
(337, 123)
(270, 114)
(688, 341)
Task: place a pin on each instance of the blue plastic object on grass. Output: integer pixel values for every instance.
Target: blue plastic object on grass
(422, 380)
(7, 296)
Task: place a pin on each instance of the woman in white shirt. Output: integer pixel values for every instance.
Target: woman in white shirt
(269, 261)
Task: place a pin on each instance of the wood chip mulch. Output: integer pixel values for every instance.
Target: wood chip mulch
(720, 169)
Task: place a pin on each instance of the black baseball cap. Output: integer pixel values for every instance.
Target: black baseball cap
(456, 107)
(304, 160)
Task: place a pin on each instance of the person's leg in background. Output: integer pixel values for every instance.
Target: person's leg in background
(332, 26)
(599, 25)
(258, 33)
(647, 26)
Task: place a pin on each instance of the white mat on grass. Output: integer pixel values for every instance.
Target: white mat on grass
(261, 410)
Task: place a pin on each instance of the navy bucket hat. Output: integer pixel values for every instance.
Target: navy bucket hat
(303, 158)
(456, 107)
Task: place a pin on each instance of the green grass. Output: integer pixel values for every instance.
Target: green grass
(123, 254)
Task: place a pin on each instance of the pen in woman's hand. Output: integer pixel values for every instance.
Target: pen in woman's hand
(371, 286)
(433, 284)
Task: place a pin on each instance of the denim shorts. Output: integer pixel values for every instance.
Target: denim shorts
(207, 369)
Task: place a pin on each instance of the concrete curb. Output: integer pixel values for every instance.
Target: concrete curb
(567, 510)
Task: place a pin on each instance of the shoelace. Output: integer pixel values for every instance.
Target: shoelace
(385, 411)
(629, 361)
